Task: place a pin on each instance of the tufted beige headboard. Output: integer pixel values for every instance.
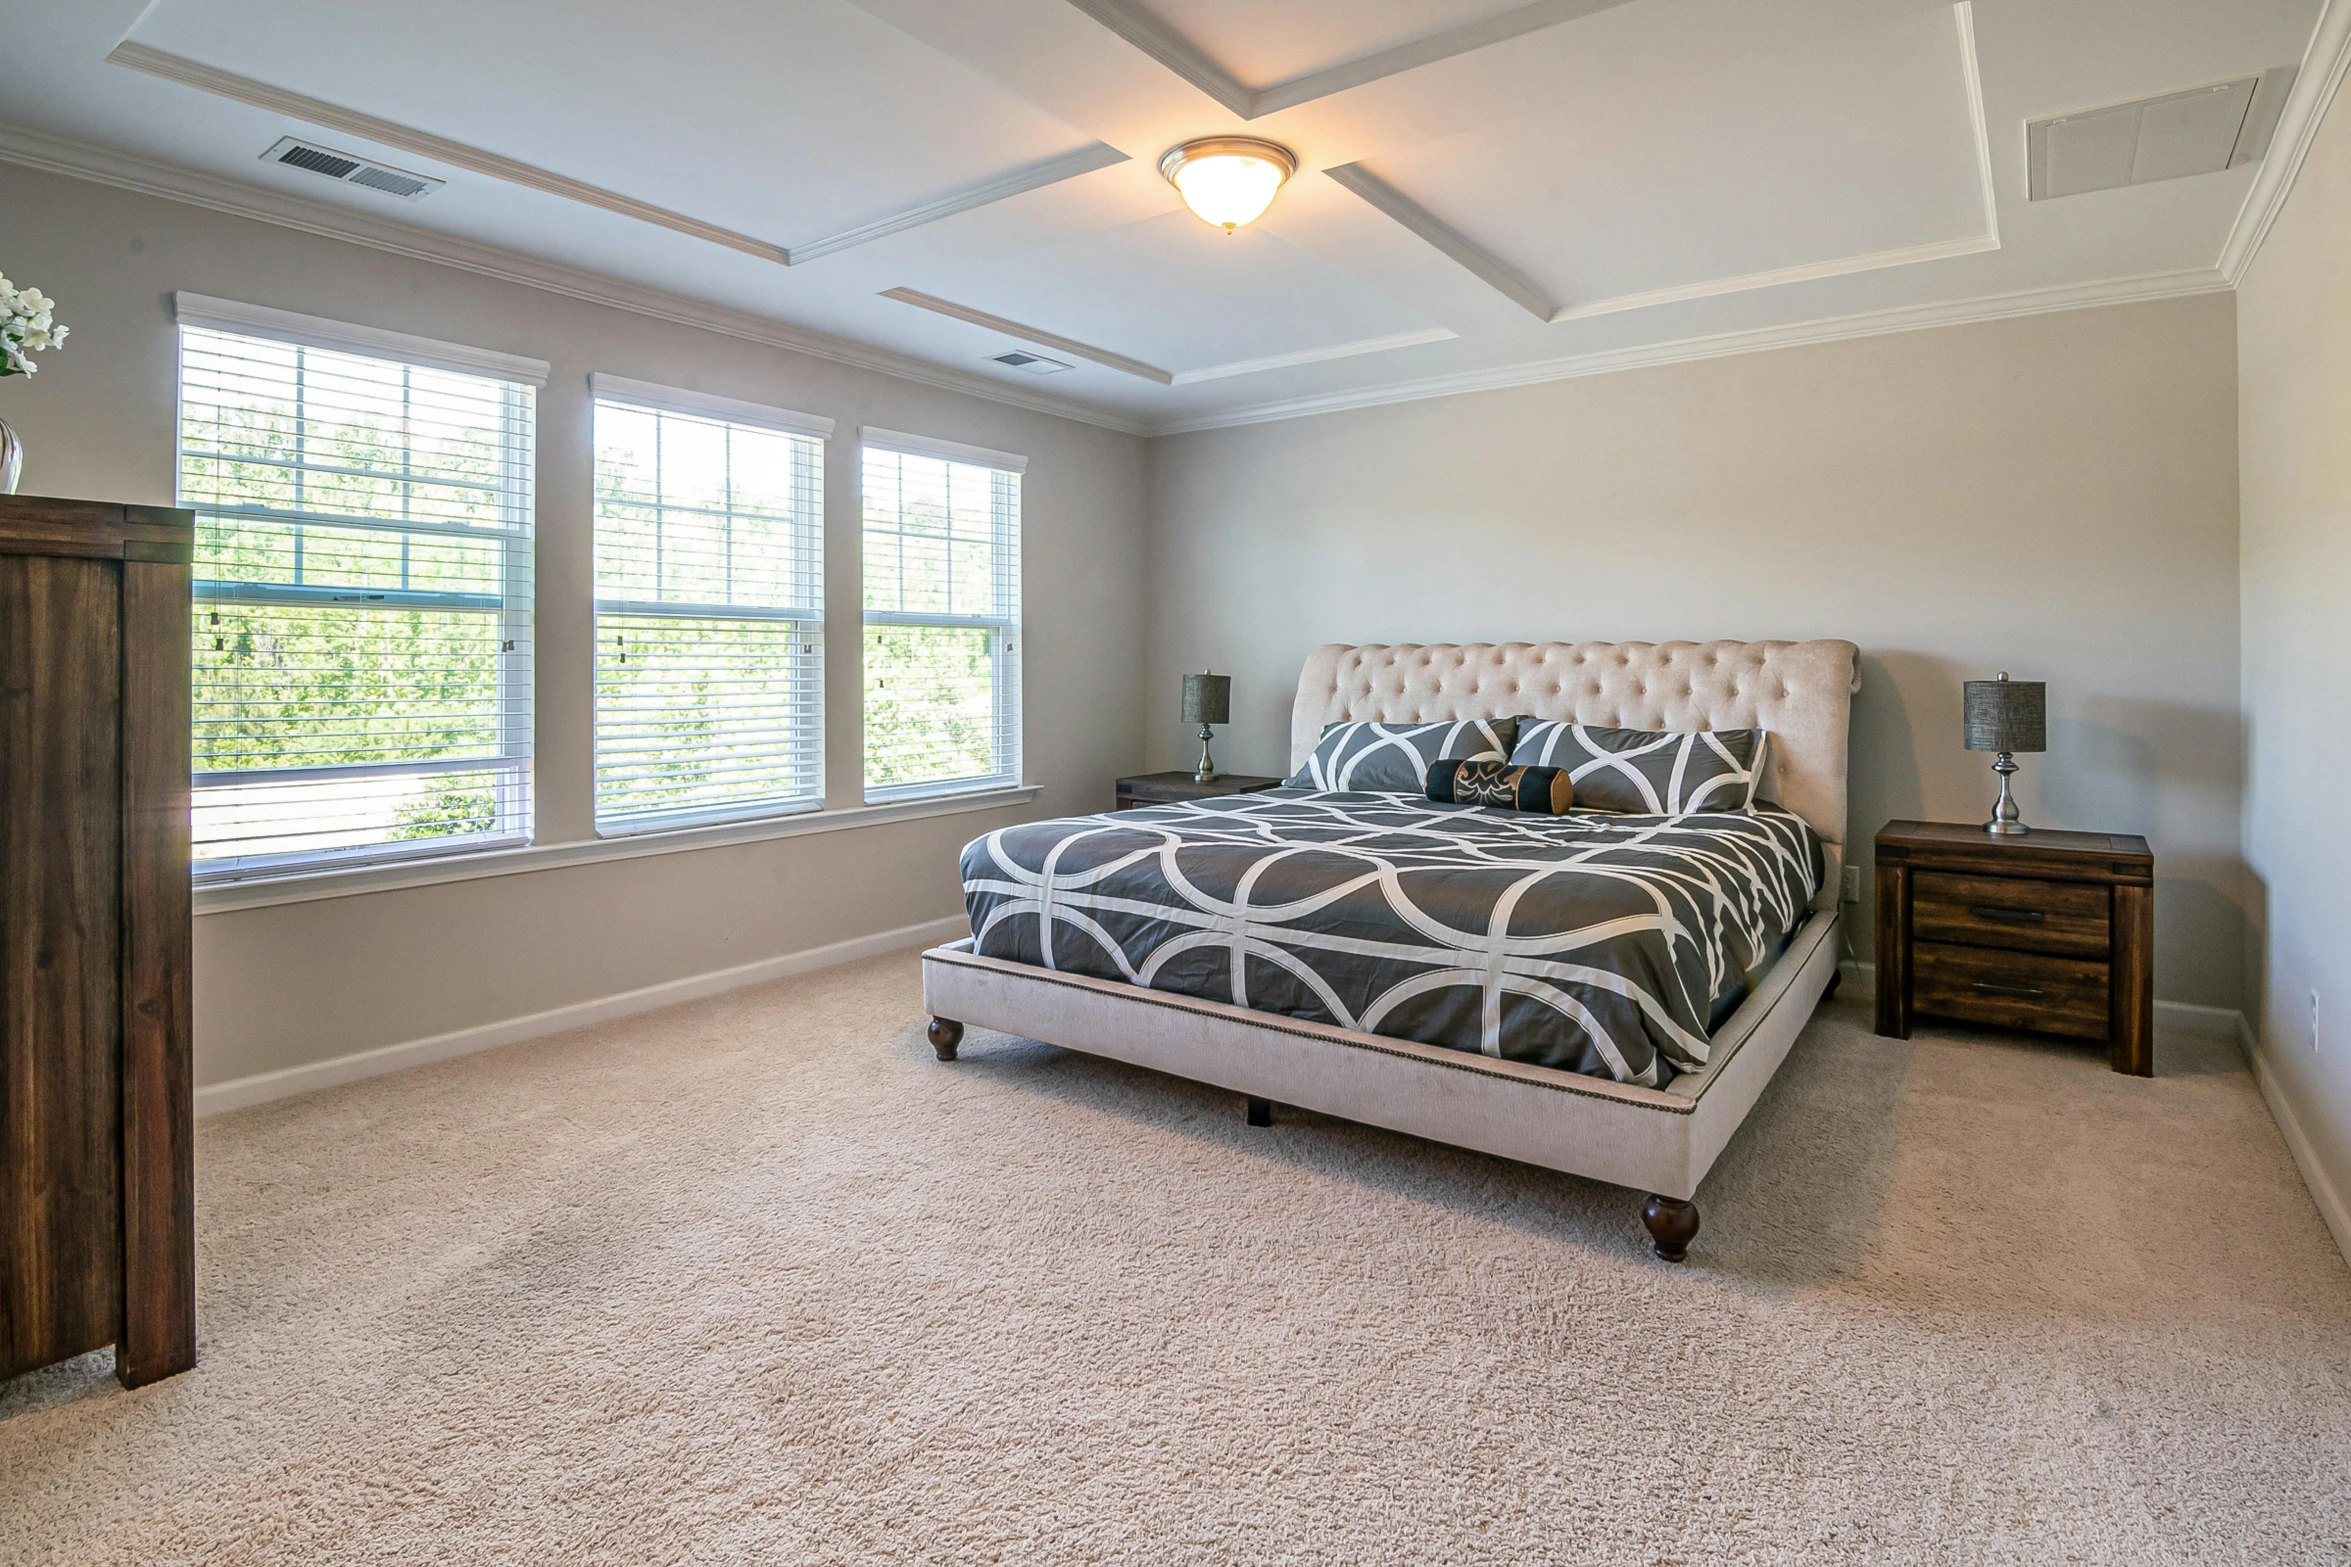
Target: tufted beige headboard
(1801, 691)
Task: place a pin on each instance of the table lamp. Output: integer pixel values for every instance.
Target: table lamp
(2007, 716)
(1208, 699)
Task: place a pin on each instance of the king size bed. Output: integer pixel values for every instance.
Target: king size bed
(1605, 992)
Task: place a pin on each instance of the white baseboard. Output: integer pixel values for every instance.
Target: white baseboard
(264, 1086)
(2323, 1190)
(2189, 1018)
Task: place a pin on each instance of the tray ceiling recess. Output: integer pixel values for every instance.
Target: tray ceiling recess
(1519, 285)
(1141, 370)
(1139, 25)
(314, 111)
(1486, 192)
(2200, 131)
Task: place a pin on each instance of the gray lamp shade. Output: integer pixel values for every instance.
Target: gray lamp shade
(1208, 699)
(2007, 715)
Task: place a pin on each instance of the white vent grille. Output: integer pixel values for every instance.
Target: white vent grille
(1034, 364)
(349, 170)
(2202, 130)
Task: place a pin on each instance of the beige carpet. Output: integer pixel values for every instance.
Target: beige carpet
(756, 1279)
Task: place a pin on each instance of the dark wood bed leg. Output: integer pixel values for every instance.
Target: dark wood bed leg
(1836, 978)
(946, 1034)
(1260, 1111)
(1672, 1226)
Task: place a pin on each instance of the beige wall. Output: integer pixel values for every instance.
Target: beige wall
(2054, 495)
(279, 987)
(2294, 365)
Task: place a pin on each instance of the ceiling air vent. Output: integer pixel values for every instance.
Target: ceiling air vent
(1034, 364)
(351, 171)
(2200, 131)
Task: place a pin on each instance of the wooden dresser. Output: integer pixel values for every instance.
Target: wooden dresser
(2052, 932)
(97, 1190)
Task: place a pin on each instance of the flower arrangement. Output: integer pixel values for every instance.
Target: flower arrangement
(28, 324)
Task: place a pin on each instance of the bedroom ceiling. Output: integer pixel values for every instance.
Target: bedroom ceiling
(1489, 190)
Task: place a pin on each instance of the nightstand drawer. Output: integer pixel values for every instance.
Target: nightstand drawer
(2070, 918)
(2029, 990)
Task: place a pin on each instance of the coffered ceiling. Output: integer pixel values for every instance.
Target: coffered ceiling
(1489, 191)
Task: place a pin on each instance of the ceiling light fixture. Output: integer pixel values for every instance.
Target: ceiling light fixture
(1228, 180)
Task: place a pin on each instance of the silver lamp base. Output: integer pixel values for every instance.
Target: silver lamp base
(2006, 821)
(1206, 772)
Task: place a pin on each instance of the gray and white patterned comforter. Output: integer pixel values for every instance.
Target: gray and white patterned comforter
(1609, 945)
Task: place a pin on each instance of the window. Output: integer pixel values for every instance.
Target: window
(942, 617)
(362, 650)
(709, 631)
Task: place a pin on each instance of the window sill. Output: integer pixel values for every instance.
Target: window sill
(311, 886)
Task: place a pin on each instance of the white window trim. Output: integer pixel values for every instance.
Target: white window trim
(604, 387)
(516, 758)
(932, 446)
(258, 892)
(286, 326)
(979, 456)
(705, 405)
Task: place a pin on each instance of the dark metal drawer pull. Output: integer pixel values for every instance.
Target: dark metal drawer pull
(2011, 916)
(2020, 992)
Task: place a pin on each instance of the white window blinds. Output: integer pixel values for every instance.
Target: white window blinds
(709, 588)
(362, 653)
(942, 617)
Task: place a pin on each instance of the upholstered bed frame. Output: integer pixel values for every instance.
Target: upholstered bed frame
(1658, 1140)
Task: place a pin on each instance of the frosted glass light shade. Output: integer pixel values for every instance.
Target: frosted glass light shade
(1228, 180)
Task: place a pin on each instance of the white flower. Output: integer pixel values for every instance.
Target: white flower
(28, 325)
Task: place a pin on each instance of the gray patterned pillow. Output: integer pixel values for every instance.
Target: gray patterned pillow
(1394, 758)
(1643, 773)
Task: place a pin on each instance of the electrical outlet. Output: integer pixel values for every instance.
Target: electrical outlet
(1852, 884)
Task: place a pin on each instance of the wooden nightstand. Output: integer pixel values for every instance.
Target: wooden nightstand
(2052, 932)
(1168, 788)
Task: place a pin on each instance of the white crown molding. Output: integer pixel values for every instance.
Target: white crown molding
(1971, 73)
(1315, 356)
(1780, 277)
(390, 133)
(1036, 176)
(1039, 338)
(1424, 51)
(124, 171)
(315, 111)
(1907, 318)
(1173, 50)
(1029, 334)
(1447, 240)
(1188, 60)
(2323, 65)
(287, 326)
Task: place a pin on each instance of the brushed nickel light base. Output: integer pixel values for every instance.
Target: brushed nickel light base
(2007, 821)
